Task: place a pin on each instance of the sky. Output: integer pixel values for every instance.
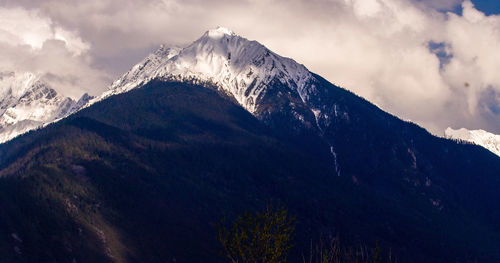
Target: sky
(433, 62)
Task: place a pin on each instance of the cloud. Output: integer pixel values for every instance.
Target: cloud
(31, 42)
(445, 5)
(472, 73)
(410, 57)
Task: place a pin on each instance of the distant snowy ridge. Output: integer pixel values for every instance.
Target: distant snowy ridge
(27, 103)
(238, 66)
(483, 138)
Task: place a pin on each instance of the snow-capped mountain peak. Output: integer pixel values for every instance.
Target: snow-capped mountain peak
(219, 32)
(264, 83)
(238, 66)
(27, 102)
(483, 138)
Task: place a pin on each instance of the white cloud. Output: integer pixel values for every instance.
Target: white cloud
(376, 48)
(31, 42)
(474, 41)
(19, 26)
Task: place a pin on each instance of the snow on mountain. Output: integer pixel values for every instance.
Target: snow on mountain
(238, 66)
(27, 102)
(269, 86)
(488, 140)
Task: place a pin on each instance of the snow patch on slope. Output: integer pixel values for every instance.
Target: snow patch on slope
(483, 138)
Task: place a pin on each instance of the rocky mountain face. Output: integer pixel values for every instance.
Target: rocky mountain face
(27, 103)
(275, 89)
(483, 138)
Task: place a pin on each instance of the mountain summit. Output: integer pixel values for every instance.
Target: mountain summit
(27, 102)
(275, 89)
(240, 67)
